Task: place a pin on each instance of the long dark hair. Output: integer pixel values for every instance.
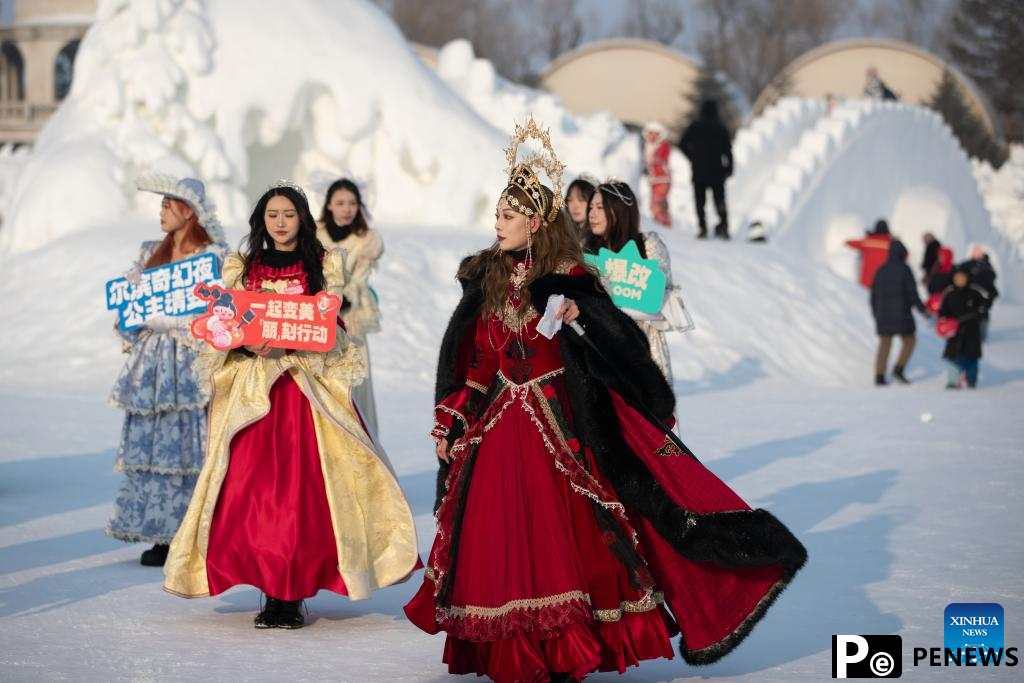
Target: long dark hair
(622, 214)
(259, 241)
(359, 224)
(554, 245)
(586, 189)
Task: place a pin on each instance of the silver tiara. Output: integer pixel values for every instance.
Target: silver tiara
(609, 187)
(289, 184)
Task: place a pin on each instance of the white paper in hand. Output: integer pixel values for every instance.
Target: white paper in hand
(549, 325)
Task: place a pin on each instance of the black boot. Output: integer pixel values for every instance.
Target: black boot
(722, 231)
(880, 381)
(155, 556)
(290, 614)
(897, 372)
(267, 618)
(702, 234)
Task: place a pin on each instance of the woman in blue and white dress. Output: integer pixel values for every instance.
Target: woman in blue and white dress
(164, 434)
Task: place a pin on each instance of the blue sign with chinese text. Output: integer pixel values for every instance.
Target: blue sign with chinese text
(162, 291)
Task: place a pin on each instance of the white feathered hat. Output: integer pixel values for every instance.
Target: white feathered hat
(655, 127)
(190, 191)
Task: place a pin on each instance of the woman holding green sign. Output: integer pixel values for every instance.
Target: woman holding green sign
(614, 222)
(574, 534)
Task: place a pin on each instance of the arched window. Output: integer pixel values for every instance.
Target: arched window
(12, 73)
(63, 70)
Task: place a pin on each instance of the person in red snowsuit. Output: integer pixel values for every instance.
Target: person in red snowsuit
(656, 151)
(874, 250)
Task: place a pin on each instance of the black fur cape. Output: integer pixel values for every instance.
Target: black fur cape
(615, 354)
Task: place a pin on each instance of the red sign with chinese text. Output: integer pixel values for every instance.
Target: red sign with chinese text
(238, 317)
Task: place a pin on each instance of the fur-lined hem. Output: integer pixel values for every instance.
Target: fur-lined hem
(712, 653)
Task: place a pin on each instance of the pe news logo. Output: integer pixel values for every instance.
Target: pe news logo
(974, 628)
(867, 656)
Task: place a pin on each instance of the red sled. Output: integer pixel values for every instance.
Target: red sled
(947, 327)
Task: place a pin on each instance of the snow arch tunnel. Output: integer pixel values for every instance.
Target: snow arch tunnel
(868, 160)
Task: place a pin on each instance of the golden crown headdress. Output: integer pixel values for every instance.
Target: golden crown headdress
(521, 174)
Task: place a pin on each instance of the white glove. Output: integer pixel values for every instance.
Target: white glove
(162, 323)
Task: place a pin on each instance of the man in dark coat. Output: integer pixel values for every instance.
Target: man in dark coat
(893, 295)
(931, 256)
(707, 145)
(968, 303)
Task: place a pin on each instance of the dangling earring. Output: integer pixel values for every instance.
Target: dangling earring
(529, 246)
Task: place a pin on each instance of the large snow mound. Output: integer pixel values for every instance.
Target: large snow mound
(1003, 191)
(183, 88)
(594, 143)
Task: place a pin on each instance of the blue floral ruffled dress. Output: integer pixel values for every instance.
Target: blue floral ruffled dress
(163, 439)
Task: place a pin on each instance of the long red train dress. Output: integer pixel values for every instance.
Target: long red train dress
(538, 566)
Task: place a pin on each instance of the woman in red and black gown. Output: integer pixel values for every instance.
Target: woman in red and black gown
(574, 533)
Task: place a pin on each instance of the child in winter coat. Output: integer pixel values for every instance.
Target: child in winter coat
(968, 304)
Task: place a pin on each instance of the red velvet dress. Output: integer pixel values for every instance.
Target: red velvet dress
(272, 525)
(541, 584)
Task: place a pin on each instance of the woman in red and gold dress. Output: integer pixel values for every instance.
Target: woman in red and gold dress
(575, 533)
(294, 495)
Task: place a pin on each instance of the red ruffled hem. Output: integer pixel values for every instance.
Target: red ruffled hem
(420, 610)
(579, 650)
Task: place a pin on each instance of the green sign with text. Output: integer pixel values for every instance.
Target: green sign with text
(632, 281)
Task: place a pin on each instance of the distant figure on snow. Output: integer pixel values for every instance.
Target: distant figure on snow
(931, 256)
(659, 175)
(875, 87)
(968, 304)
(982, 274)
(874, 250)
(707, 145)
(940, 277)
(893, 294)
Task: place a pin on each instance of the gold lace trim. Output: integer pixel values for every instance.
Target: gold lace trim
(476, 385)
(565, 266)
(532, 382)
(455, 413)
(648, 602)
(614, 506)
(513, 605)
(515, 319)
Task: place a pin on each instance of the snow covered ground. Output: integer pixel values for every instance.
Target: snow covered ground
(901, 516)
(903, 495)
